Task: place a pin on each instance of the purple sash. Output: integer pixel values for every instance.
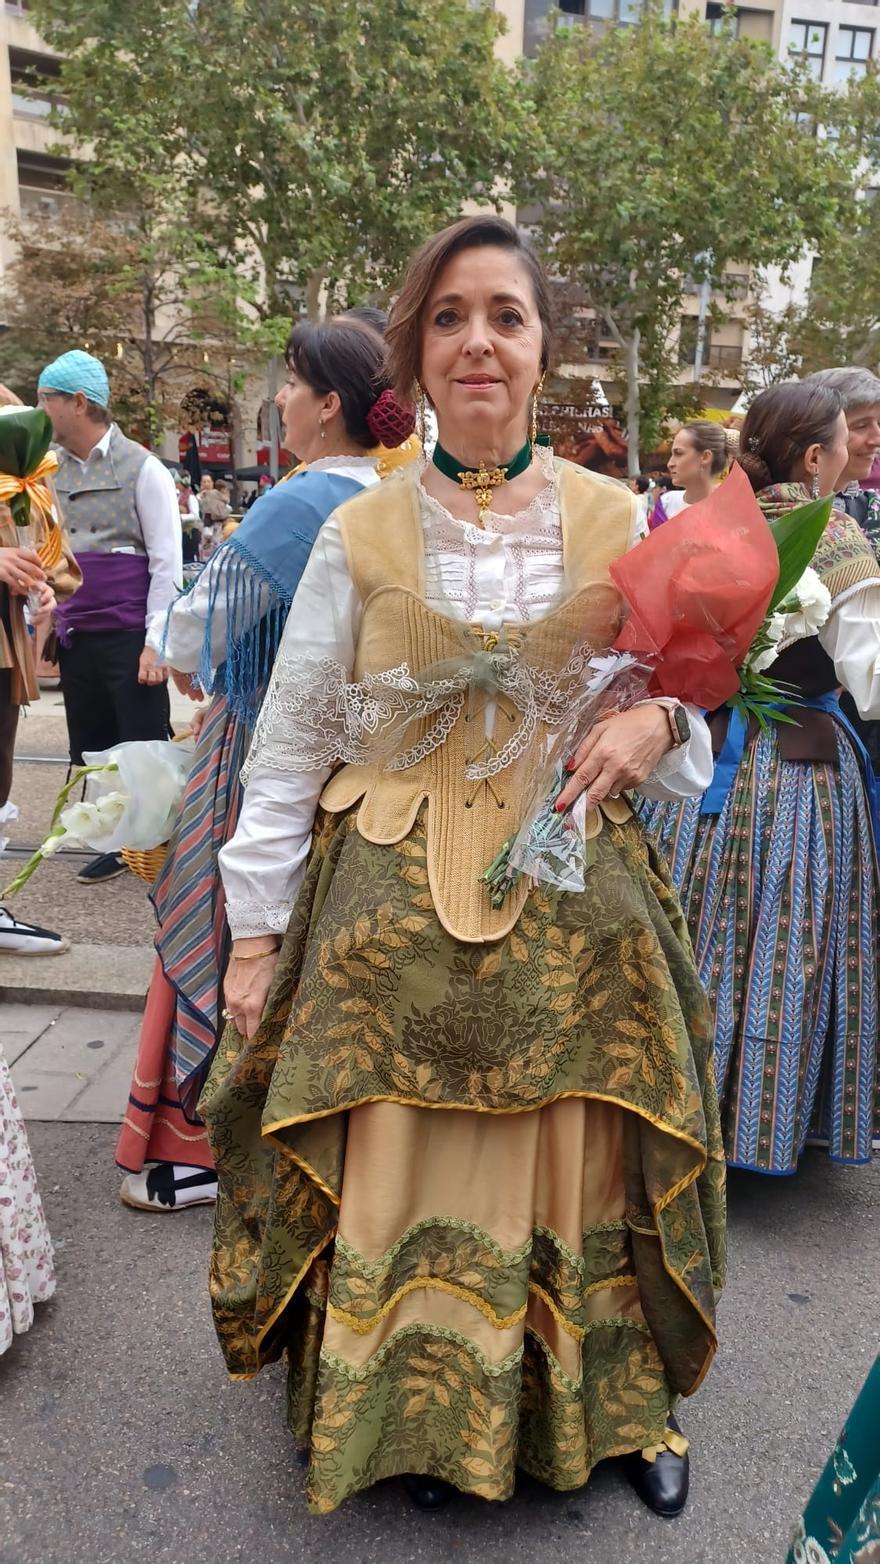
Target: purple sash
(113, 595)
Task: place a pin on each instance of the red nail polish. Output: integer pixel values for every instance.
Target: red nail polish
(559, 806)
(570, 765)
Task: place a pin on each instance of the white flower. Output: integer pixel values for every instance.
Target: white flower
(52, 844)
(775, 627)
(111, 807)
(806, 608)
(78, 819)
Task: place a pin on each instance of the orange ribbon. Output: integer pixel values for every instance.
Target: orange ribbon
(33, 486)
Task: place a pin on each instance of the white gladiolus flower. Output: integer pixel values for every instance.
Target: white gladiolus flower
(52, 844)
(111, 807)
(78, 819)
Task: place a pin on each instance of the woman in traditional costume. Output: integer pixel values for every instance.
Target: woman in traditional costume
(470, 1170)
(777, 865)
(335, 410)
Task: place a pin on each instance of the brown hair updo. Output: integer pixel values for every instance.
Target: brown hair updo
(707, 436)
(781, 424)
(404, 334)
(344, 355)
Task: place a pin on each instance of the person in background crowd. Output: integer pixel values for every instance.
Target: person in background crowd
(121, 509)
(231, 620)
(776, 864)
(215, 510)
(190, 518)
(264, 485)
(20, 572)
(859, 391)
(701, 453)
(641, 487)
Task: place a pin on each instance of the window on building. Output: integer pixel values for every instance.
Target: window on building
(687, 340)
(720, 19)
(31, 77)
(613, 11)
(855, 45)
(807, 41)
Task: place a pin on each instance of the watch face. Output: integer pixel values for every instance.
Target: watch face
(682, 725)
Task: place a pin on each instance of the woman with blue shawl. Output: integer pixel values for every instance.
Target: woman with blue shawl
(226, 630)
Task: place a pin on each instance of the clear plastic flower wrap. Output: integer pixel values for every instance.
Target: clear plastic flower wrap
(550, 847)
(132, 795)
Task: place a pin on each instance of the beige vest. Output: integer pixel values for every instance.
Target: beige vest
(467, 822)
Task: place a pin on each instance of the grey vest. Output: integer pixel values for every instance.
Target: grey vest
(98, 499)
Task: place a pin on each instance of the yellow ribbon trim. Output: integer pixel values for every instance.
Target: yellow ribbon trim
(671, 1440)
(419, 1284)
(38, 494)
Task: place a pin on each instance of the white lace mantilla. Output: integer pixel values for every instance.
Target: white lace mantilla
(316, 717)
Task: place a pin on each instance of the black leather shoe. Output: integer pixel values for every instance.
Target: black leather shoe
(661, 1484)
(428, 1493)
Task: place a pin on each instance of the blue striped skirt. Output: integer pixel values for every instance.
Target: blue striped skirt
(780, 891)
(193, 939)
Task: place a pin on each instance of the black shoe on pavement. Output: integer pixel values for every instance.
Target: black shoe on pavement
(428, 1493)
(662, 1482)
(107, 867)
(27, 939)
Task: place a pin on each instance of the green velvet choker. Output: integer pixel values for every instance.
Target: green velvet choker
(482, 480)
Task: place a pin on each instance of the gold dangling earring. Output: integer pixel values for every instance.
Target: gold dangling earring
(533, 429)
(421, 430)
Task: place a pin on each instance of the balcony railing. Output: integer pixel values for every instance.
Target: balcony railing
(727, 359)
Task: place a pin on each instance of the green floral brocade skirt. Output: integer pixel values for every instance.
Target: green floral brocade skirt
(475, 1192)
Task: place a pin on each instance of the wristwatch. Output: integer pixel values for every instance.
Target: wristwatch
(679, 725)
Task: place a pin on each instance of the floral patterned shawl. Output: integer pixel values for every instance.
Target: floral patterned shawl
(844, 559)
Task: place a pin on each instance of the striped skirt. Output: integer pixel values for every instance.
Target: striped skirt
(780, 891)
(182, 1013)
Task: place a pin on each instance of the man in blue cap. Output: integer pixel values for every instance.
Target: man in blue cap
(121, 510)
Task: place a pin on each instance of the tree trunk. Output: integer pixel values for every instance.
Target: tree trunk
(149, 362)
(314, 302)
(633, 404)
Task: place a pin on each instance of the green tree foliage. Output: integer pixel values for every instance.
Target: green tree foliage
(162, 315)
(313, 145)
(665, 153)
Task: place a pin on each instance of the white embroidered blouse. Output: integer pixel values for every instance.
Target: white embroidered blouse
(508, 573)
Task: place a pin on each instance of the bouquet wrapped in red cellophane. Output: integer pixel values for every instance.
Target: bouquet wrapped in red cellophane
(699, 595)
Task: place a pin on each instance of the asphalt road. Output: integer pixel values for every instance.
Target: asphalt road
(121, 1440)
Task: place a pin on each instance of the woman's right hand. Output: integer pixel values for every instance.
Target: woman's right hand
(21, 570)
(247, 982)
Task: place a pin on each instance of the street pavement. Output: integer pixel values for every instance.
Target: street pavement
(122, 1441)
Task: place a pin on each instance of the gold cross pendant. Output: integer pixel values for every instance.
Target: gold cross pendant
(481, 483)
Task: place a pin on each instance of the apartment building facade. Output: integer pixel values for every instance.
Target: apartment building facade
(835, 38)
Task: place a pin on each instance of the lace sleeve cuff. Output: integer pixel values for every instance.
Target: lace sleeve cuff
(247, 919)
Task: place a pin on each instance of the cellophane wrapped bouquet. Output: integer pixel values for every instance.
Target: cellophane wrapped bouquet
(709, 600)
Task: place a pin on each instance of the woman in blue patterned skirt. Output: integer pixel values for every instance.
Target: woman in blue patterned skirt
(776, 864)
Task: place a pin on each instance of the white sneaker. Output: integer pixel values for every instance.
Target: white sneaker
(26, 939)
(169, 1186)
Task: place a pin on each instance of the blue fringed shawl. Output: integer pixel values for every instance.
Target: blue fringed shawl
(269, 549)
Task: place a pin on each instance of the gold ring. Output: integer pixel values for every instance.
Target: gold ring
(227, 1015)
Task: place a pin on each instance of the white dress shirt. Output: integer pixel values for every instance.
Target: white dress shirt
(510, 572)
(155, 500)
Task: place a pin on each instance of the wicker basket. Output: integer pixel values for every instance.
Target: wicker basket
(146, 865)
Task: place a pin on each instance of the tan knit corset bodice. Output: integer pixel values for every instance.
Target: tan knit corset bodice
(468, 822)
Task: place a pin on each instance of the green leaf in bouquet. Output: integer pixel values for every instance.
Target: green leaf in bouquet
(796, 534)
(25, 437)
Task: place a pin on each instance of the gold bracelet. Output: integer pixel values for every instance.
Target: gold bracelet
(258, 955)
